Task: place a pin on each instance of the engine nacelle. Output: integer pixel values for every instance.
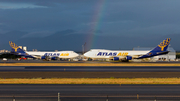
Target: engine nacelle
(54, 58)
(116, 58)
(128, 57)
(43, 57)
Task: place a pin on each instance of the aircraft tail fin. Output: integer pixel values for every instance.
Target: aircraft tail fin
(15, 48)
(162, 47)
(158, 50)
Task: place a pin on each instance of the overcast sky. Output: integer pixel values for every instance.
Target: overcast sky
(103, 17)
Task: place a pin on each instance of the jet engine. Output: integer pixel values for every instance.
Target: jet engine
(116, 58)
(43, 57)
(54, 58)
(128, 57)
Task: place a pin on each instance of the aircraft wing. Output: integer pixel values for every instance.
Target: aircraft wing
(125, 57)
(37, 56)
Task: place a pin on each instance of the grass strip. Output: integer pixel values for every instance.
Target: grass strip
(90, 64)
(92, 81)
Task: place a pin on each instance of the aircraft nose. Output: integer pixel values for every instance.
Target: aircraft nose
(86, 54)
(77, 54)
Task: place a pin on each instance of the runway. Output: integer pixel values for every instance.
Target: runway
(57, 61)
(88, 72)
(91, 68)
(90, 92)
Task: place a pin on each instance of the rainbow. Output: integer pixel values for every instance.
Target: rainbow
(91, 40)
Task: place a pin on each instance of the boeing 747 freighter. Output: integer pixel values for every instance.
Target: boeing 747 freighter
(42, 55)
(128, 55)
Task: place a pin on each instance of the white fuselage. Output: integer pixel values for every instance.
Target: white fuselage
(59, 54)
(106, 54)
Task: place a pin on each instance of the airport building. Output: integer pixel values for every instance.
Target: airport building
(23, 48)
(4, 51)
(170, 56)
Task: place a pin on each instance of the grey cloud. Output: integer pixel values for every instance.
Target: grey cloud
(116, 17)
(37, 34)
(18, 6)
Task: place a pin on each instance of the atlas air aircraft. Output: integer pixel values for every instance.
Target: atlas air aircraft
(42, 55)
(128, 55)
